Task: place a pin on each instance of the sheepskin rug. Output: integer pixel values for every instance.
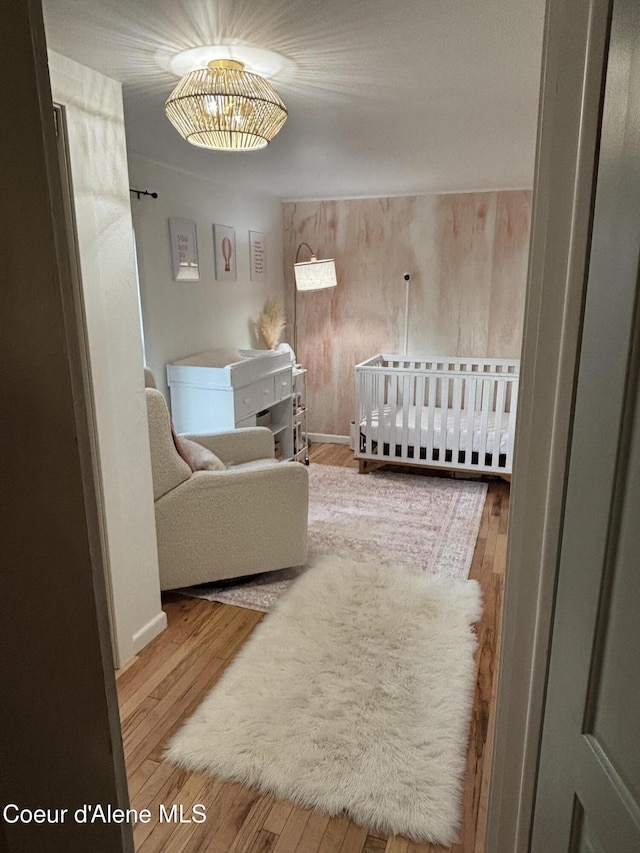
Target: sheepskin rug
(353, 695)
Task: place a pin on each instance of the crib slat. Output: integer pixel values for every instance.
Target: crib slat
(370, 403)
(444, 418)
(471, 421)
(365, 403)
(393, 413)
(497, 427)
(513, 405)
(380, 384)
(457, 412)
(487, 387)
(417, 426)
(433, 391)
(360, 404)
(406, 401)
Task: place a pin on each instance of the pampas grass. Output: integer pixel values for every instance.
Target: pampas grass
(270, 323)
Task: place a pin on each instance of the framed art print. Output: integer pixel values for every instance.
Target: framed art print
(224, 250)
(258, 255)
(184, 249)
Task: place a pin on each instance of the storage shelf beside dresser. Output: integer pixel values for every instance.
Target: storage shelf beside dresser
(300, 441)
(217, 390)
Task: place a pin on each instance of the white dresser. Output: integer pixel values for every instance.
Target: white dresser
(220, 390)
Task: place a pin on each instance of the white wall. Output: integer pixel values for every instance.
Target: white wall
(95, 126)
(185, 317)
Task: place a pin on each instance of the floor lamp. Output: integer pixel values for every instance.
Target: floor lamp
(310, 275)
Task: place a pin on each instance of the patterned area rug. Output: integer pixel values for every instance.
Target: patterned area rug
(427, 524)
(353, 695)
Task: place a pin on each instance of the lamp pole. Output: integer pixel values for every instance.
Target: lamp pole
(295, 319)
(295, 297)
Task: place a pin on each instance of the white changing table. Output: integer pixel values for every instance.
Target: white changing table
(220, 390)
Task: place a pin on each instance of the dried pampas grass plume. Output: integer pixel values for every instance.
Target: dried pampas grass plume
(271, 322)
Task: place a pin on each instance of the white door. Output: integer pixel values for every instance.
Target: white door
(588, 791)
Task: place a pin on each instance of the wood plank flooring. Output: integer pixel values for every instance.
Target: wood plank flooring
(166, 682)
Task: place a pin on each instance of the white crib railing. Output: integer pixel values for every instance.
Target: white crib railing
(455, 413)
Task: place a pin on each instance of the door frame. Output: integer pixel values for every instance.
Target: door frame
(61, 735)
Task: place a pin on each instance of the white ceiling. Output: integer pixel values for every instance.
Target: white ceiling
(387, 96)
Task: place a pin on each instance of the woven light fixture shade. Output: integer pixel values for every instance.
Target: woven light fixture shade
(225, 107)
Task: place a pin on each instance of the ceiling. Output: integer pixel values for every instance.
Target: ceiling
(385, 97)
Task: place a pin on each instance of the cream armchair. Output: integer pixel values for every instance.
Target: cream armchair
(247, 518)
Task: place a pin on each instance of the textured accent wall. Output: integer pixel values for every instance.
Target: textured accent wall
(467, 256)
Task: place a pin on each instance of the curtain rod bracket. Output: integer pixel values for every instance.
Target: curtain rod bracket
(143, 192)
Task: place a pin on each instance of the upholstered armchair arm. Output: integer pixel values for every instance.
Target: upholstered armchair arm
(268, 481)
(238, 445)
(244, 500)
(228, 523)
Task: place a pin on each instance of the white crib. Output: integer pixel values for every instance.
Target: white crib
(437, 412)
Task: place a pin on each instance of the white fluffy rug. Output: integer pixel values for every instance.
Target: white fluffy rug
(353, 695)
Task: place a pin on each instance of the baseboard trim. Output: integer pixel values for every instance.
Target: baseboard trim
(329, 439)
(153, 627)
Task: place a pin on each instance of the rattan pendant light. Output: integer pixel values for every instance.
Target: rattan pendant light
(225, 107)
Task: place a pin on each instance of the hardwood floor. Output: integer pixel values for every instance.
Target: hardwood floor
(166, 682)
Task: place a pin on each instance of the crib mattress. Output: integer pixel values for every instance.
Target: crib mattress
(373, 431)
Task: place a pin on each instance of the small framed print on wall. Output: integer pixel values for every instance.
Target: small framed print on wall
(258, 255)
(224, 250)
(184, 249)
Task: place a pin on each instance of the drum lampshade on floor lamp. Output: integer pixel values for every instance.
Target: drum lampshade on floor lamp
(313, 274)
